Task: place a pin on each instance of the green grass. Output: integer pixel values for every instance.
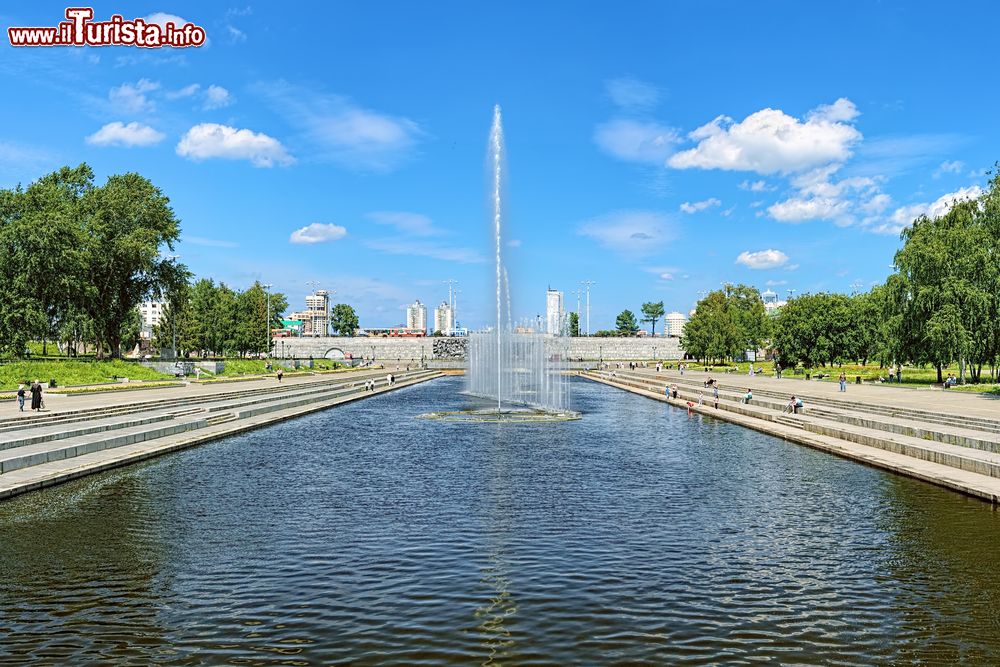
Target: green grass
(69, 373)
(76, 391)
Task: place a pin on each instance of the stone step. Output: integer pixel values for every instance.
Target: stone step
(964, 432)
(36, 454)
(96, 437)
(955, 456)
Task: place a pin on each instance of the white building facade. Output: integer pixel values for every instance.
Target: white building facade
(554, 312)
(416, 316)
(444, 319)
(675, 322)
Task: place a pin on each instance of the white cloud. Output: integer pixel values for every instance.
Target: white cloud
(755, 186)
(629, 232)
(119, 134)
(217, 97)
(841, 110)
(346, 133)
(876, 204)
(514, 243)
(694, 207)
(666, 273)
(636, 141)
(799, 209)
(161, 19)
(762, 259)
(318, 232)
(426, 249)
(770, 141)
(211, 140)
(186, 91)
(776, 283)
(948, 167)
(131, 98)
(904, 216)
(632, 94)
(408, 223)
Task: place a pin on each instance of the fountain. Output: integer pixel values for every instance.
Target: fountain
(522, 375)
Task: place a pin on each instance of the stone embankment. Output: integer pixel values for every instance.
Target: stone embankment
(955, 445)
(42, 449)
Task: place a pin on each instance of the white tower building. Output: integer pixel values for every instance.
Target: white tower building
(444, 319)
(553, 312)
(416, 316)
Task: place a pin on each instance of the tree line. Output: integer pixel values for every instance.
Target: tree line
(940, 306)
(77, 258)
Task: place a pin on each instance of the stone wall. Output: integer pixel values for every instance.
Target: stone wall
(452, 348)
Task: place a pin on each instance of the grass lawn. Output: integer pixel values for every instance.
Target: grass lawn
(67, 373)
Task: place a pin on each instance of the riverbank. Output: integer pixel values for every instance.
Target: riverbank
(948, 439)
(82, 435)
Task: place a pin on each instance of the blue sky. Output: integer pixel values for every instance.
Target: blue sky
(659, 149)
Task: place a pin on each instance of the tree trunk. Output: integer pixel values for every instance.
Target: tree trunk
(940, 380)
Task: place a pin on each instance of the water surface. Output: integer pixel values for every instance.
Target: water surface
(362, 535)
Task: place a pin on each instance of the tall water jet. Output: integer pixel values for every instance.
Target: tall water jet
(522, 373)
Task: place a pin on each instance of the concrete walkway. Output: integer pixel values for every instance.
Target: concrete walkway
(81, 437)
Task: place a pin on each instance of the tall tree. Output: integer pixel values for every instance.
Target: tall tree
(652, 312)
(574, 323)
(128, 223)
(343, 320)
(626, 324)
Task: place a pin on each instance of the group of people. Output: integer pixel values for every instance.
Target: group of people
(37, 402)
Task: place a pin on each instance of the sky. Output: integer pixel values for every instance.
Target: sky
(659, 149)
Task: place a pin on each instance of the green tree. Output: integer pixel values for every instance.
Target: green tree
(343, 320)
(626, 324)
(574, 323)
(651, 313)
(128, 222)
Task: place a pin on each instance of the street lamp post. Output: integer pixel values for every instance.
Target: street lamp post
(173, 316)
(587, 284)
(267, 322)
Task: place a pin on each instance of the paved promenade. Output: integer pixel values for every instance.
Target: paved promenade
(82, 435)
(947, 438)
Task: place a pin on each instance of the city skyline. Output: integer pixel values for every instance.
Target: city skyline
(662, 169)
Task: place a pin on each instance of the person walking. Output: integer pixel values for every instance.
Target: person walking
(20, 397)
(843, 381)
(716, 394)
(281, 374)
(36, 395)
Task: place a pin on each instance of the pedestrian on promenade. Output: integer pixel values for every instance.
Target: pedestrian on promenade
(777, 370)
(716, 393)
(673, 390)
(892, 374)
(281, 374)
(20, 397)
(36, 395)
(843, 381)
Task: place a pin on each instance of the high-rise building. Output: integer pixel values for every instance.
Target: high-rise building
(318, 313)
(675, 324)
(416, 316)
(553, 312)
(444, 319)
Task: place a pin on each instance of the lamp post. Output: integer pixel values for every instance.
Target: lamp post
(267, 322)
(587, 284)
(173, 316)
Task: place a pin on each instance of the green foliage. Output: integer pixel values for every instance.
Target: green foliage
(343, 320)
(574, 323)
(626, 323)
(651, 313)
(726, 323)
(815, 329)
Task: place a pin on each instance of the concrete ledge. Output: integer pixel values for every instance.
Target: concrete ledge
(50, 473)
(964, 481)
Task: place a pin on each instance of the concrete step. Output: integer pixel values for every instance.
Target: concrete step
(108, 434)
(950, 431)
(57, 450)
(955, 456)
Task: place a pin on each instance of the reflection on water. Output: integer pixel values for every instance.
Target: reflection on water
(363, 535)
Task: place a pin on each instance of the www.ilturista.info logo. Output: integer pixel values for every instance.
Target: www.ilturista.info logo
(80, 30)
